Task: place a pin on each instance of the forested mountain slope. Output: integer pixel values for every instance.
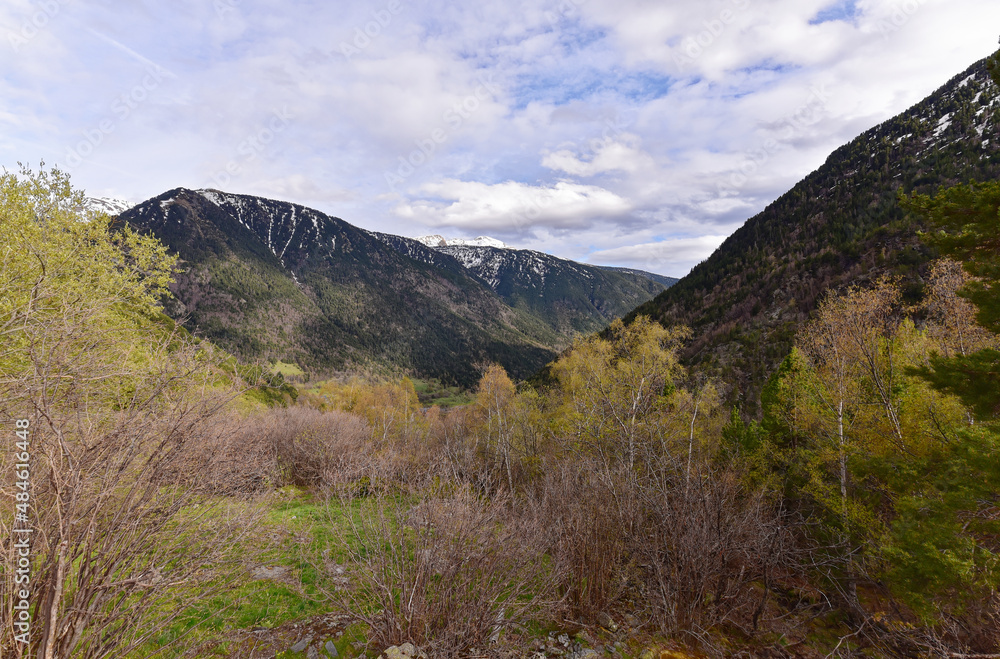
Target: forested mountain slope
(842, 224)
(568, 297)
(273, 280)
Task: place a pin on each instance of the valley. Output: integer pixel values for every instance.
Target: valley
(247, 428)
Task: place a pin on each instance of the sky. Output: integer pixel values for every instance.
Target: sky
(633, 133)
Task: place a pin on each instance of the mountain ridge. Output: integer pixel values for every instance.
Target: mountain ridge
(840, 225)
(272, 280)
(570, 297)
(268, 279)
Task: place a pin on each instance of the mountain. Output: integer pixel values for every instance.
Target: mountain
(113, 206)
(273, 280)
(436, 240)
(667, 282)
(568, 297)
(840, 225)
(440, 241)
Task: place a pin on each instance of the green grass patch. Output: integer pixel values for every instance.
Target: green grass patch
(433, 392)
(287, 370)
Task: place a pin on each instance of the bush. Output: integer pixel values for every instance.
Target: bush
(449, 575)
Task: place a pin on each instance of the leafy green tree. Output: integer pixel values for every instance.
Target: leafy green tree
(889, 464)
(620, 394)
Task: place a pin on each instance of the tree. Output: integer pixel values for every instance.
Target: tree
(619, 393)
(496, 398)
(112, 397)
(964, 220)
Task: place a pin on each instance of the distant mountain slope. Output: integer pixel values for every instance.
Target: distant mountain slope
(666, 281)
(111, 205)
(841, 224)
(273, 280)
(436, 240)
(568, 297)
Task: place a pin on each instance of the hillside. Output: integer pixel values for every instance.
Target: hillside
(842, 224)
(568, 297)
(661, 279)
(272, 280)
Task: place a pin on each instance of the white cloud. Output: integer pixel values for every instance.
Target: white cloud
(606, 124)
(512, 206)
(662, 256)
(621, 155)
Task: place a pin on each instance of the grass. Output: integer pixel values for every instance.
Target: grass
(297, 526)
(287, 370)
(433, 392)
(300, 525)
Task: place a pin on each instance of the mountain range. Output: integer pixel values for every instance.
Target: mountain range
(271, 280)
(841, 225)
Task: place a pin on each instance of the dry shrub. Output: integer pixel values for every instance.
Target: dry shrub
(228, 455)
(706, 543)
(588, 535)
(325, 449)
(117, 557)
(687, 554)
(452, 575)
(297, 445)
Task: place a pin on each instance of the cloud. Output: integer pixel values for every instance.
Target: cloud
(606, 123)
(622, 155)
(661, 256)
(511, 205)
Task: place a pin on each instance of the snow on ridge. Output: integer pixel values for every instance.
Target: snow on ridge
(213, 196)
(437, 240)
(109, 205)
(942, 125)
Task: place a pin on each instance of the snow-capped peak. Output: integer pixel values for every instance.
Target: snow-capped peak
(436, 240)
(109, 205)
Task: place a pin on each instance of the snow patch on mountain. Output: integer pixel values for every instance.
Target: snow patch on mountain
(436, 240)
(110, 205)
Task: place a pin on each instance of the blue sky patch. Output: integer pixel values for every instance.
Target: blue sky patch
(843, 10)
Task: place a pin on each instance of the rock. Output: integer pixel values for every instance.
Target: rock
(302, 644)
(404, 651)
(608, 622)
(585, 653)
(564, 639)
(312, 653)
(274, 573)
(331, 649)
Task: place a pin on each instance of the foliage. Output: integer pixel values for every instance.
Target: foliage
(840, 225)
(965, 220)
(113, 397)
(891, 465)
